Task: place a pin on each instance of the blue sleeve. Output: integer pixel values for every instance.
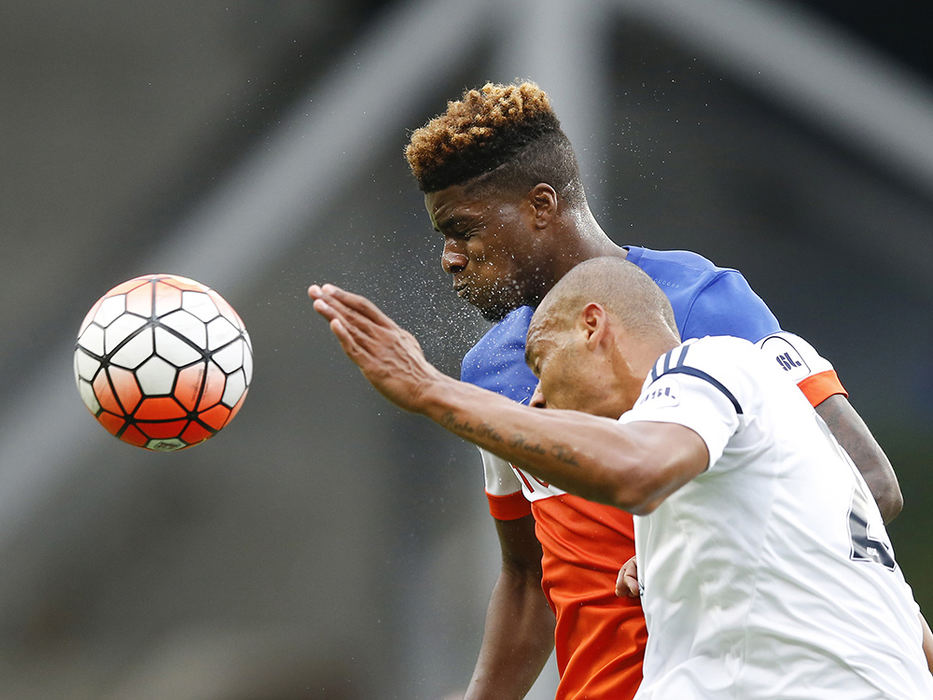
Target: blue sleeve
(729, 306)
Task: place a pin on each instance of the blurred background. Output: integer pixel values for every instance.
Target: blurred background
(326, 545)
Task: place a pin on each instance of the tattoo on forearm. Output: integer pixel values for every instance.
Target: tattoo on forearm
(519, 442)
(563, 453)
(449, 421)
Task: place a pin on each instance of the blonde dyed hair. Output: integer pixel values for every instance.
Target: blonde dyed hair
(507, 131)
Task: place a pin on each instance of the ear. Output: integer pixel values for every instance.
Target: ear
(543, 200)
(595, 324)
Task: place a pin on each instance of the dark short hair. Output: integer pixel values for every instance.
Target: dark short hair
(507, 133)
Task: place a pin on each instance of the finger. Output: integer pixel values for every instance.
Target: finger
(347, 334)
(627, 583)
(345, 340)
(338, 304)
(314, 291)
(367, 334)
(358, 304)
(332, 309)
(368, 338)
(630, 583)
(353, 351)
(325, 309)
(620, 585)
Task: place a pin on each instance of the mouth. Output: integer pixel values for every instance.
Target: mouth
(462, 290)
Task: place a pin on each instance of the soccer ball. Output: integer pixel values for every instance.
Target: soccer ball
(163, 362)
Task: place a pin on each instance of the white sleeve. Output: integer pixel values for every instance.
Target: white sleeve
(794, 355)
(696, 401)
(500, 477)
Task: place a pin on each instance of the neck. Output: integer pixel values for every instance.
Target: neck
(584, 240)
(638, 360)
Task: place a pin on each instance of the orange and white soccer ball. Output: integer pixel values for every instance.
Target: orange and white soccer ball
(163, 362)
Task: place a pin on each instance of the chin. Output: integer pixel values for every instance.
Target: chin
(494, 315)
(495, 311)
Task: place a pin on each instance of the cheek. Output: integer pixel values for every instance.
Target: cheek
(504, 263)
(476, 251)
(559, 390)
(576, 391)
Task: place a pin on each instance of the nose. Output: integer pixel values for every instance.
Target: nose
(452, 260)
(537, 398)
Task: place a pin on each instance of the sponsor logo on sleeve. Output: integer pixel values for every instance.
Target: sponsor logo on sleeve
(662, 394)
(787, 357)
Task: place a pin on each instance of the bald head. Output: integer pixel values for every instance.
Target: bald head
(596, 335)
(620, 287)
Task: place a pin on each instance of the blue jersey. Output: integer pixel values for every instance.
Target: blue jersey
(707, 300)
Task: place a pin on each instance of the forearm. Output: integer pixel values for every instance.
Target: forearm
(856, 439)
(517, 641)
(927, 642)
(590, 456)
(631, 466)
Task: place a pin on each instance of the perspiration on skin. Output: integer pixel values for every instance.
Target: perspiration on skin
(549, 441)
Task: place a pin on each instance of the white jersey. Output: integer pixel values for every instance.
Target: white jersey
(769, 575)
(791, 353)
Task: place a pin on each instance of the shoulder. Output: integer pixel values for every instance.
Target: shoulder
(497, 361)
(726, 364)
(702, 385)
(794, 355)
(673, 266)
(714, 353)
(707, 299)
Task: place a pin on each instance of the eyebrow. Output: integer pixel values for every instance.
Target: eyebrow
(454, 221)
(444, 223)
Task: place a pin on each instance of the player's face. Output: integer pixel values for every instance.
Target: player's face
(490, 249)
(569, 376)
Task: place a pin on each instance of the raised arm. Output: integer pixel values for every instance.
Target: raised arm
(634, 466)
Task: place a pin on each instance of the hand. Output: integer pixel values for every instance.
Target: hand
(627, 581)
(389, 357)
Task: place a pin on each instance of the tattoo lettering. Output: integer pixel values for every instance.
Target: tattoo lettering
(483, 430)
(519, 442)
(565, 455)
(562, 453)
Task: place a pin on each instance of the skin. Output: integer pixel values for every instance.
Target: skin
(519, 626)
(627, 581)
(850, 431)
(927, 643)
(634, 466)
(508, 249)
(480, 234)
(519, 631)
